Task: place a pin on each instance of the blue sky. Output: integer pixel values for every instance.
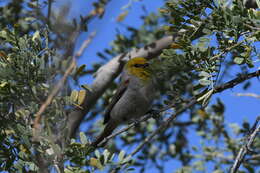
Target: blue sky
(238, 109)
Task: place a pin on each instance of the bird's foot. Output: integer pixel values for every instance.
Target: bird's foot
(155, 113)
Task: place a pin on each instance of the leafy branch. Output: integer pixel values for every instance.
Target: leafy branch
(246, 148)
(191, 103)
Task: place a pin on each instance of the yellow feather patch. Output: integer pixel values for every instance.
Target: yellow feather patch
(140, 71)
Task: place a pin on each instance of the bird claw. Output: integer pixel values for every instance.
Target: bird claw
(155, 113)
(135, 121)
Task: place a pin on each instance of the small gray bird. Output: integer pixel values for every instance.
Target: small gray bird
(132, 99)
(250, 4)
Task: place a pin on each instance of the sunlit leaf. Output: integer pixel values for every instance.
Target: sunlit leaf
(81, 96)
(238, 60)
(83, 138)
(80, 70)
(95, 163)
(122, 16)
(36, 36)
(74, 95)
(205, 82)
(121, 156)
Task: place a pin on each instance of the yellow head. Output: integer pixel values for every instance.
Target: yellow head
(138, 67)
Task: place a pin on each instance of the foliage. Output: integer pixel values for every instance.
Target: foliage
(209, 38)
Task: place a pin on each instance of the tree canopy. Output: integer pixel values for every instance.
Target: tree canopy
(197, 49)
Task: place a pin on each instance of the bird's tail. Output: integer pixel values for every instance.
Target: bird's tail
(110, 127)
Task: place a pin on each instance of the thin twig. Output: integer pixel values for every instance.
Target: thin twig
(85, 44)
(246, 147)
(144, 118)
(252, 27)
(226, 50)
(49, 12)
(53, 93)
(249, 95)
(164, 125)
(241, 78)
(60, 84)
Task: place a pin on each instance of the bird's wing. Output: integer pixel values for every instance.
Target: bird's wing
(120, 91)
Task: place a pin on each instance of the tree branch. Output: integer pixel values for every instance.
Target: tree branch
(248, 95)
(85, 44)
(246, 148)
(164, 125)
(191, 103)
(106, 74)
(60, 84)
(241, 78)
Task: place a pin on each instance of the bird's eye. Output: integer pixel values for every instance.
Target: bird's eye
(141, 65)
(137, 65)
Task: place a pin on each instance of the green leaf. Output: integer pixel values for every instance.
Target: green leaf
(50, 151)
(127, 159)
(36, 36)
(3, 34)
(121, 156)
(20, 164)
(22, 155)
(20, 128)
(74, 95)
(81, 96)
(95, 163)
(83, 138)
(204, 74)
(122, 16)
(3, 84)
(80, 70)
(236, 19)
(207, 31)
(199, 165)
(205, 82)
(238, 60)
(106, 154)
(72, 141)
(32, 166)
(205, 97)
(32, 4)
(111, 157)
(258, 3)
(97, 154)
(29, 19)
(26, 140)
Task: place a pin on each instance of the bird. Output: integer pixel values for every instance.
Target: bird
(133, 98)
(250, 4)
